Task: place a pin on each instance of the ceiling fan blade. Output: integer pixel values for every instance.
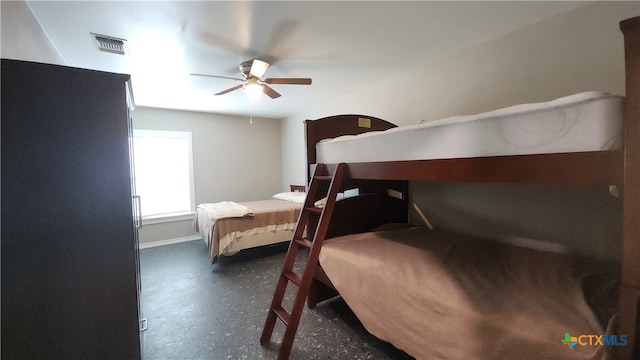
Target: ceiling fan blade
(288, 81)
(225, 44)
(270, 92)
(258, 68)
(230, 89)
(218, 76)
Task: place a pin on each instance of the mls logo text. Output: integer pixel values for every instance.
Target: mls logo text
(594, 340)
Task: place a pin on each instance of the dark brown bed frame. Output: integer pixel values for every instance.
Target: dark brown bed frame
(297, 188)
(618, 167)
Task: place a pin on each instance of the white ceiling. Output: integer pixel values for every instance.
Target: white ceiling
(341, 45)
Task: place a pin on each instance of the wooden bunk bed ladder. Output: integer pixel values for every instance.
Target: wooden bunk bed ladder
(310, 216)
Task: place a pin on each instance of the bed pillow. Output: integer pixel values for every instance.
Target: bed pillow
(294, 197)
(322, 202)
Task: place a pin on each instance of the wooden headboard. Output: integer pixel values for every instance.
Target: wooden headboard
(297, 188)
(338, 125)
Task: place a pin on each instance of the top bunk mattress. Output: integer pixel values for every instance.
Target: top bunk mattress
(589, 121)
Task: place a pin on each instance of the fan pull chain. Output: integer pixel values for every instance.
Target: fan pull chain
(250, 111)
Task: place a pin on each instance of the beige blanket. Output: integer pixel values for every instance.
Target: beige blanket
(437, 295)
(268, 216)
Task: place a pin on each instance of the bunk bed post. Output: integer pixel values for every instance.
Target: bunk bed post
(629, 316)
(310, 151)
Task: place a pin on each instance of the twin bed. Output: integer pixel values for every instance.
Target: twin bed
(228, 227)
(439, 294)
(460, 297)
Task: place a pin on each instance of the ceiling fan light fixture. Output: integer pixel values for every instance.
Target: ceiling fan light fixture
(252, 72)
(258, 68)
(253, 89)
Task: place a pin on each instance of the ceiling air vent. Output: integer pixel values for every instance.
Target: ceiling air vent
(109, 44)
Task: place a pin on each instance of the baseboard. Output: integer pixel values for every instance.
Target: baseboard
(169, 241)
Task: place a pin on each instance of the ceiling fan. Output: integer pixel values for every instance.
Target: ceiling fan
(252, 72)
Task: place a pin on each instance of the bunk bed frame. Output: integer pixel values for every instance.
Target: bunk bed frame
(616, 167)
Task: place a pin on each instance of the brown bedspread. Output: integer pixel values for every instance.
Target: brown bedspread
(269, 215)
(439, 295)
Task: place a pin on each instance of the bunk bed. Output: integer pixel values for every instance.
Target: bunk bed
(228, 227)
(466, 287)
(341, 224)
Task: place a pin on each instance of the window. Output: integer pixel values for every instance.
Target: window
(163, 163)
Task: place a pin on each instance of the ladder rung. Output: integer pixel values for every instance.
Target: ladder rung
(314, 210)
(293, 278)
(282, 314)
(323, 177)
(304, 242)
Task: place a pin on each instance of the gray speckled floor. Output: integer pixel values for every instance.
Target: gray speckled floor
(196, 310)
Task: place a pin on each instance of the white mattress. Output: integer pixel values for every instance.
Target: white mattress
(589, 121)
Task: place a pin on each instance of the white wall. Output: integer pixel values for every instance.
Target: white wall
(233, 159)
(576, 51)
(23, 37)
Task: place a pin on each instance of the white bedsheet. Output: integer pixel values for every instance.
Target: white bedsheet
(589, 121)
